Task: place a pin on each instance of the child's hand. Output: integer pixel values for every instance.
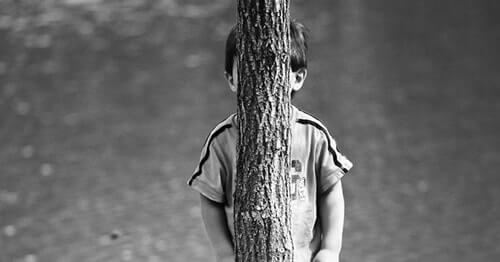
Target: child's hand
(325, 255)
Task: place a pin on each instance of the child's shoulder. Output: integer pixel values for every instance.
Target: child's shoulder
(228, 122)
(308, 120)
(225, 129)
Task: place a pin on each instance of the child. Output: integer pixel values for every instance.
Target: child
(316, 168)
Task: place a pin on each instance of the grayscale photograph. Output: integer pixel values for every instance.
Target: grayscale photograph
(249, 131)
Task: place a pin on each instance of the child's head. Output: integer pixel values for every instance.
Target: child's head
(298, 57)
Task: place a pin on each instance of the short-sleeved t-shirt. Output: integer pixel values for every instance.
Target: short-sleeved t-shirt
(316, 165)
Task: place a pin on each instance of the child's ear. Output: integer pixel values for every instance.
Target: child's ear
(230, 81)
(298, 79)
(301, 75)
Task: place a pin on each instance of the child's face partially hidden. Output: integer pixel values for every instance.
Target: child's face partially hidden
(296, 78)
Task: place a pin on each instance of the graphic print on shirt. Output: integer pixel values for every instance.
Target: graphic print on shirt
(299, 187)
(303, 217)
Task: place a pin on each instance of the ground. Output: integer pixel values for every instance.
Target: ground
(104, 106)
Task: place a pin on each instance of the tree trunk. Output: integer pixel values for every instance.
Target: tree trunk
(262, 216)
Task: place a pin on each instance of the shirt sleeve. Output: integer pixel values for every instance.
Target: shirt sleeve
(207, 176)
(331, 164)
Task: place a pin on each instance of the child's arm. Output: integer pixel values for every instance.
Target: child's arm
(331, 211)
(214, 218)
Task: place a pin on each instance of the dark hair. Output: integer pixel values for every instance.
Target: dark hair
(298, 47)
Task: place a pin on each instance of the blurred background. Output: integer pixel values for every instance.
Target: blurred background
(105, 105)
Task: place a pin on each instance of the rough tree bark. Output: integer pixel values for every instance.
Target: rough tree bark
(262, 216)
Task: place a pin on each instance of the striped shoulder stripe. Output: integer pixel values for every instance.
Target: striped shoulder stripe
(315, 123)
(221, 127)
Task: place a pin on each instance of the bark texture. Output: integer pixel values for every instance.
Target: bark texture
(262, 216)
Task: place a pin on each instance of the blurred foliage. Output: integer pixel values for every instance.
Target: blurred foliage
(82, 85)
(97, 24)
